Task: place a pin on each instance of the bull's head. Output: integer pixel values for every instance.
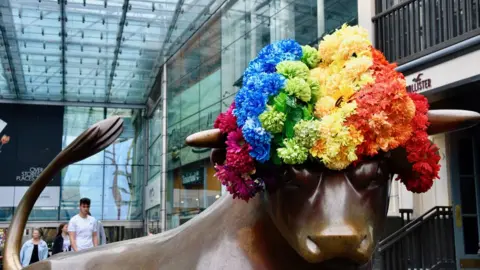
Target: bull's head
(327, 215)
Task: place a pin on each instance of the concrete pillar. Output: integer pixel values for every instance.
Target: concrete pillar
(366, 11)
(320, 18)
(163, 180)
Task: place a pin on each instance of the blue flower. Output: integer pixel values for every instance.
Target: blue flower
(249, 104)
(289, 46)
(260, 81)
(271, 55)
(267, 83)
(258, 138)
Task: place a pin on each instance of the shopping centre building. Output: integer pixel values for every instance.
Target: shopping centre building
(168, 68)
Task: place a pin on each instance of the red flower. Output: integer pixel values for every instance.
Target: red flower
(421, 152)
(226, 121)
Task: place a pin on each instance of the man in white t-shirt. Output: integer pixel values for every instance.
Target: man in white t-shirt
(82, 228)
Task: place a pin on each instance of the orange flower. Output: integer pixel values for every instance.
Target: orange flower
(384, 109)
(5, 139)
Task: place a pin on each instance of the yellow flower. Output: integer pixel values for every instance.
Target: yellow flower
(343, 43)
(337, 143)
(324, 106)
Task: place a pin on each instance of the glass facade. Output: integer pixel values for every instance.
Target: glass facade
(113, 178)
(200, 84)
(200, 80)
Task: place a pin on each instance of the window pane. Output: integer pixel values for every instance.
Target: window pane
(121, 197)
(78, 119)
(155, 126)
(80, 181)
(155, 158)
(122, 150)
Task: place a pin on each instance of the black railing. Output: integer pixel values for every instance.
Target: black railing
(415, 28)
(427, 242)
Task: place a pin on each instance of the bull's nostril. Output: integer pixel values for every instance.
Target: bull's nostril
(312, 247)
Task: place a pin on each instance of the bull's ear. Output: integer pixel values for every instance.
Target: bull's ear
(450, 120)
(212, 138)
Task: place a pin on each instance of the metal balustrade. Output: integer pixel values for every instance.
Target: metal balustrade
(427, 242)
(415, 28)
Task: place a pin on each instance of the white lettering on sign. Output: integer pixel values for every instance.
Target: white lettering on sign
(30, 175)
(191, 177)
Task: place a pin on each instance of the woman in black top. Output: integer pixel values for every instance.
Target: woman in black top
(62, 242)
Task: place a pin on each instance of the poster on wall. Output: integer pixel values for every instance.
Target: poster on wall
(30, 137)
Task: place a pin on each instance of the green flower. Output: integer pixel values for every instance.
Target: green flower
(299, 88)
(272, 121)
(310, 56)
(315, 88)
(292, 153)
(293, 69)
(307, 133)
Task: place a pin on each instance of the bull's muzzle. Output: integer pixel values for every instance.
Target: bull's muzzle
(340, 242)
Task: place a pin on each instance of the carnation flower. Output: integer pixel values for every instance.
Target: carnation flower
(292, 153)
(258, 138)
(272, 120)
(299, 88)
(293, 69)
(338, 105)
(310, 56)
(307, 132)
(240, 186)
(226, 121)
(238, 157)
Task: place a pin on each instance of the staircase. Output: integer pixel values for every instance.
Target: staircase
(426, 242)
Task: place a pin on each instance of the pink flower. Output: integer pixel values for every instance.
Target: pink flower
(240, 186)
(226, 121)
(238, 157)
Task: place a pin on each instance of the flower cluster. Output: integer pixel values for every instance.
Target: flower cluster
(336, 104)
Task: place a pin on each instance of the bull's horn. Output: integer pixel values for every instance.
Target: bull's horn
(90, 142)
(212, 138)
(450, 120)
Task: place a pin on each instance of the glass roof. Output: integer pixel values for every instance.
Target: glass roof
(92, 51)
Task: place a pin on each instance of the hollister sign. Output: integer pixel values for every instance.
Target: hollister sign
(419, 84)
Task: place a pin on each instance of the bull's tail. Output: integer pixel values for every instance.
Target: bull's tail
(90, 142)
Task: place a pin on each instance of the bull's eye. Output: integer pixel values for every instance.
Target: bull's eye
(369, 175)
(290, 179)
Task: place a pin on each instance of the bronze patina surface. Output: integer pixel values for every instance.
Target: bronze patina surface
(314, 218)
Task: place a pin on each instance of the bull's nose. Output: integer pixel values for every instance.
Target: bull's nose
(340, 242)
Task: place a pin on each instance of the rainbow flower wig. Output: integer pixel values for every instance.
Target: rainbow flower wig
(337, 105)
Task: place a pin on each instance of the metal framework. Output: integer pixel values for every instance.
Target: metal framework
(117, 48)
(121, 47)
(73, 104)
(63, 19)
(15, 75)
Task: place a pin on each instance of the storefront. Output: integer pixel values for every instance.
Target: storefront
(453, 83)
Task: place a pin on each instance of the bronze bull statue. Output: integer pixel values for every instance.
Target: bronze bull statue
(317, 219)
